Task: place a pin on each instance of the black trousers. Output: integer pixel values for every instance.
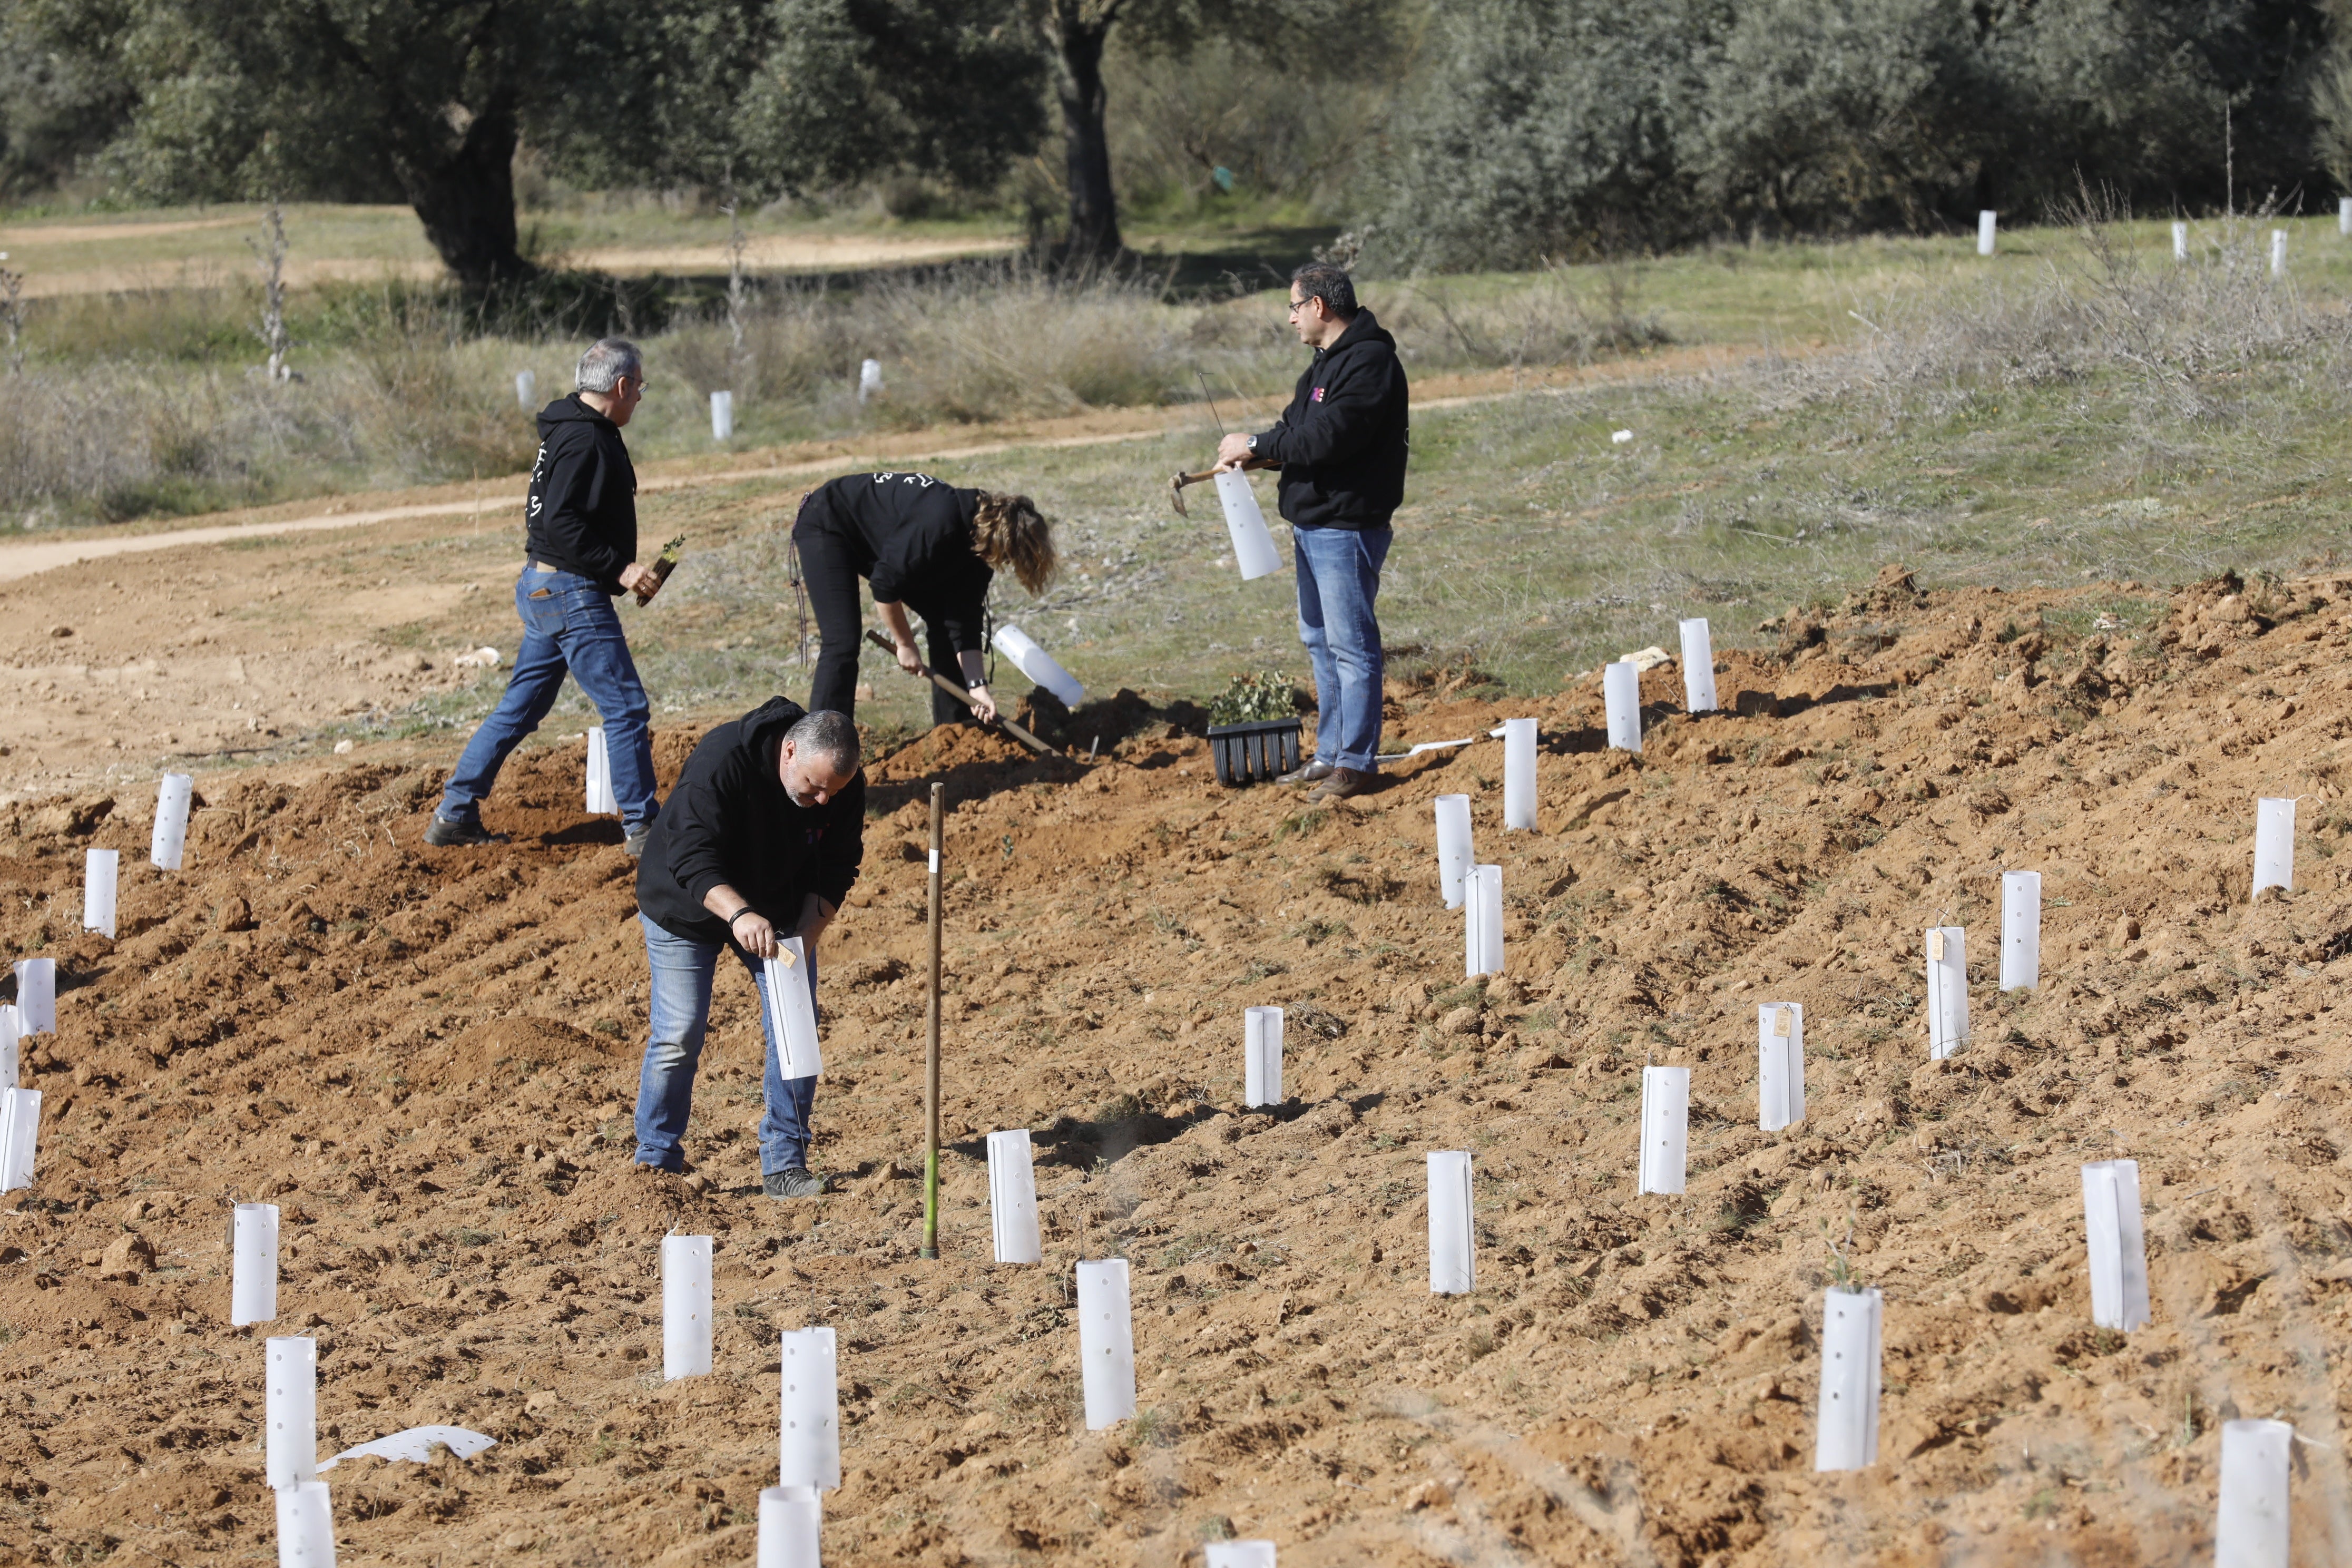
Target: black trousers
(831, 579)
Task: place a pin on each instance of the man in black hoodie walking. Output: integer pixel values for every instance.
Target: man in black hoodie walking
(759, 843)
(1341, 447)
(579, 534)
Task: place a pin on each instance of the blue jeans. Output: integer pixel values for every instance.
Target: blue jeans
(682, 970)
(1338, 578)
(569, 624)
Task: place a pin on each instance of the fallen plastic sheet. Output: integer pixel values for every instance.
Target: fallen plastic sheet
(1427, 746)
(416, 1445)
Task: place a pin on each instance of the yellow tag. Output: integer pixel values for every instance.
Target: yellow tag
(785, 953)
(1781, 1018)
(1935, 946)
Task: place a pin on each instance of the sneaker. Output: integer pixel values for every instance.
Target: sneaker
(1343, 783)
(1314, 772)
(792, 1184)
(445, 834)
(633, 843)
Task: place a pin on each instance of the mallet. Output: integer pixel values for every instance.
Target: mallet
(960, 695)
(1176, 486)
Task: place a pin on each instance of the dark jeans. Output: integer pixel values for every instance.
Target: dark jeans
(832, 581)
(1339, 579)
(569, 627)
(683, 970)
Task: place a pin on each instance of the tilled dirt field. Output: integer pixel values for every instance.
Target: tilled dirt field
(427, 1058)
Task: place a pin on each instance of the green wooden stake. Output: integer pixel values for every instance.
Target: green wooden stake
(932, 1047)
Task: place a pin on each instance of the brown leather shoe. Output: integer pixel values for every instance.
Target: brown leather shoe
(1343, 783)
(1313, 772)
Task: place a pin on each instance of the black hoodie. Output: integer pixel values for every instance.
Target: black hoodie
(1341, 443)
(729, 820)
(910, 535)
(581, 516)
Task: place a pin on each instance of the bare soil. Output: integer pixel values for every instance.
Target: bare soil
(427, 1058)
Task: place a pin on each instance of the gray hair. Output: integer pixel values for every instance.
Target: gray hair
(1323, 280)
(606, 362)
(829, 735)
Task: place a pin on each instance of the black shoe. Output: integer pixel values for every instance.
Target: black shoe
(634, 843)
(445, 834)
(1314, 772)
(792, 1184)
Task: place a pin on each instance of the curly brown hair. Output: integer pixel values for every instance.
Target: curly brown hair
(1008, 532)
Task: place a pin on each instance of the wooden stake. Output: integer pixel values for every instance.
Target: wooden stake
(932, 1047)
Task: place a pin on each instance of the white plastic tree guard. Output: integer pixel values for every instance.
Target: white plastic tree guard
(306, 1526)
(526, 390)
(1453, 846)
(1482, 922)
(2273, 844)
(1621, 695)
(102, 871)
(168, 846)
(722, 416)
(685, 1306)
(1012, 1197)
(1237, 1554)
(1779, 1065)
(600, 775)
(20, 1136)
(1699, 665)
(2344, 214)
(11, 1035)
(1106, 1342)
(2249, 1528)
(869, 379)
(1948, 991)
(2179, 241)
(1665, 1129)
(1253, 545)
(36, 995)
(794, 1007)
(1519, 776)
(1452, 1250)
(290, 1408)
(2020, 930)
(1041, 667)
(2278, 253)
(809, 1434)
(253, 1264)
(1261, 1056)
(1988, 231)
(792, 1524)
(1845, 1429)
(2117, 1245)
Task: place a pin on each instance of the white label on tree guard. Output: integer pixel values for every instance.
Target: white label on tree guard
(1519, 774)
(1012, 1197)
(11, 1036)
(2273, 844)
(253, 1264)
(1040, 667)
(1453, 846)
(2117, 1245)
(1845, 1436)
(36, 995)
(810, 1429)
(935, 862)
(1106, 1342)
(1665, 1129)
(2250, 1530)
(100, 870)
(685, 1306)
(168, 846)
(600, 774)
(1237, 1554)
(1779, 1065)
(792, 1523)
(290, 1408)
(1699, 665)
(791, 1009)
(20, 1136)
(1453, 1258)
(306, 1526)
(2020, 930)
(1621, 695)
(1261, 1056)
(1253, 545)
(1948, 991)
(1482, 922)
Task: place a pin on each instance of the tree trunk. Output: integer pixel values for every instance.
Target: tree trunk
(464, 195)
(1080, 32)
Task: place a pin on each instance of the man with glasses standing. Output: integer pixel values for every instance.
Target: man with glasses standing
(580, 534)
(1341, 447)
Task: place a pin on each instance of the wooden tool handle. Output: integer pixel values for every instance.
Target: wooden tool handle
(960, 695)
